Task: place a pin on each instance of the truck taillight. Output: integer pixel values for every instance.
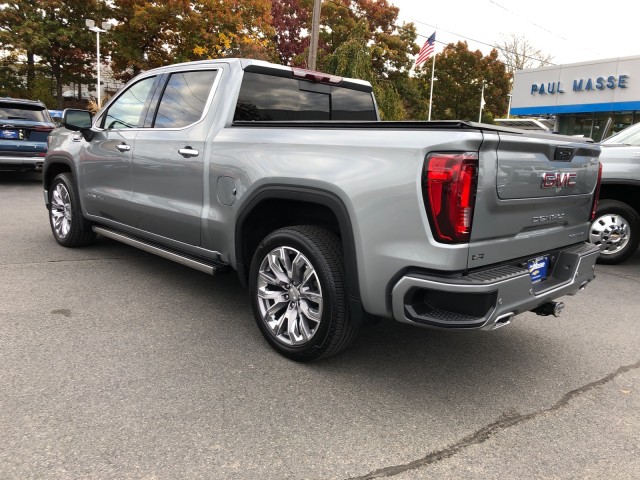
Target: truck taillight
(596, 195)
(450, 185)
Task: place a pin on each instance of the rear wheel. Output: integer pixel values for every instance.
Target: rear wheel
(69, 227)
(616, 230)
(297, 284)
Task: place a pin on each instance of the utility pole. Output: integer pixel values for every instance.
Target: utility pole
(315, 34)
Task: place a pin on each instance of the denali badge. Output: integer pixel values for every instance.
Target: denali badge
(558, 180)
(548, 218)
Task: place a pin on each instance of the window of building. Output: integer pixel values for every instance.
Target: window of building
(576, 124)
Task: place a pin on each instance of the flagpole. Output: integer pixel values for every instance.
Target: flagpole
(433, 70)
(481, 103)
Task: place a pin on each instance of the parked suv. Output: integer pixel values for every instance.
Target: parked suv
(616, 228)
(24, 128)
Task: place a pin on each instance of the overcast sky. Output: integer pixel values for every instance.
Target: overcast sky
(570, 31)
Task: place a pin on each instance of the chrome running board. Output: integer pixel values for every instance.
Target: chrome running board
(204, 265)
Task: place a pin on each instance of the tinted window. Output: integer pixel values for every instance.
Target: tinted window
(266, 97)
(126, 110)
(263, 97)
(12, 111)
(351, 105)
(184, 98)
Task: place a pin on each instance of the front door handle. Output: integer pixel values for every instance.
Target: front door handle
(123, 147)
(187, 152)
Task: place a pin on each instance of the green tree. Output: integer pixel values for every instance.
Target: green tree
(354, 58)
(460, 74)
(21, 36)
(51, 33)
(150, 34)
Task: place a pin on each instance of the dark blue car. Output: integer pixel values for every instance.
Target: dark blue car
(24, 128)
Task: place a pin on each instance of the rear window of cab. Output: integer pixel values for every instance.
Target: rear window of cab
(274, 98)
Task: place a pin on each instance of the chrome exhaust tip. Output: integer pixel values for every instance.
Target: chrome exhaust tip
(549, 308)
(503, 320)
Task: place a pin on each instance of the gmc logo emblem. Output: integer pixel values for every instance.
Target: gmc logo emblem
(558, 180)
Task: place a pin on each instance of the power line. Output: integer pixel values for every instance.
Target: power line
(515, 14)
(546, 62)
(476, 41)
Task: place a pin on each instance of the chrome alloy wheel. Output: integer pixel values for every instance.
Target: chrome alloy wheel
(61, 211)
(610, 232)
(289, 296)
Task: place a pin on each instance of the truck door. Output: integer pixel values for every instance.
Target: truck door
(168, 158)
(106, 159)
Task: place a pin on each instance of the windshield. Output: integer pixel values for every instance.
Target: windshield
(628, 136)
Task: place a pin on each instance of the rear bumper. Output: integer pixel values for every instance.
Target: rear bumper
(21, 163)
(487, 298)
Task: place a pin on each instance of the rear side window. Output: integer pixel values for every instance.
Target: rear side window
(184, 98)
(266, 97)
(34, 113)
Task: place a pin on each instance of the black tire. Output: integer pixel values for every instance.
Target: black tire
(319, 251)
(616, 230)
(69, 227)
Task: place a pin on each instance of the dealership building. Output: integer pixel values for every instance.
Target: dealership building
(581, 96)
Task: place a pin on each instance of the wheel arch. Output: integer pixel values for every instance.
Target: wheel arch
(53, 167)
(321, 208)
(627, 191)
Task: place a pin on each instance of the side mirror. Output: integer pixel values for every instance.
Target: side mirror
(78, 121)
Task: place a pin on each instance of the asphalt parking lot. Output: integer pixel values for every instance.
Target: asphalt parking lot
(118, 364)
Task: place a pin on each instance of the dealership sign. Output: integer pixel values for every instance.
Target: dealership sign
(581, 84)
(597, 86)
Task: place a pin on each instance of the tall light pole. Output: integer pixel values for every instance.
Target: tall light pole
(91, 25)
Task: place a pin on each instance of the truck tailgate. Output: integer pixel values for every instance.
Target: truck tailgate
(534, 195)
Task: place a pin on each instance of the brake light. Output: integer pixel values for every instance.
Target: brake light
(316, 76)
(43, 128)
(596, 195)
(450, 185)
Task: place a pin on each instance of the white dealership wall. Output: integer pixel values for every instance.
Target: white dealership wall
(611, 85)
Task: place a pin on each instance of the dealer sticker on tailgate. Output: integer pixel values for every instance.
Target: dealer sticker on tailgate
(538, 269)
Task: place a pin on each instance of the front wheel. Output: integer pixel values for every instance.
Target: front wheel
(297, 285)
(69, 227)
(616, 230)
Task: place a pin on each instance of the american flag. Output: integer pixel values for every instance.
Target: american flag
(426, 50)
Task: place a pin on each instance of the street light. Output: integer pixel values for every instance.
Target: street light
(509, 109)
(91, 25)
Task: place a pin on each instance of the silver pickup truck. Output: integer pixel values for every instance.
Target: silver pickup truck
(616, 228)
(331, 217)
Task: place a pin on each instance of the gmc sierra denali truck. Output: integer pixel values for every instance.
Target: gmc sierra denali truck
(330, 216)
(616, 228)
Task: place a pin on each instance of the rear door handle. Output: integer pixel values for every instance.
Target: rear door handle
(188, 152)
(123, 147)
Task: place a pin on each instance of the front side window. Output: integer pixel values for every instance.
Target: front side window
(125, 112)
(184, 98)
